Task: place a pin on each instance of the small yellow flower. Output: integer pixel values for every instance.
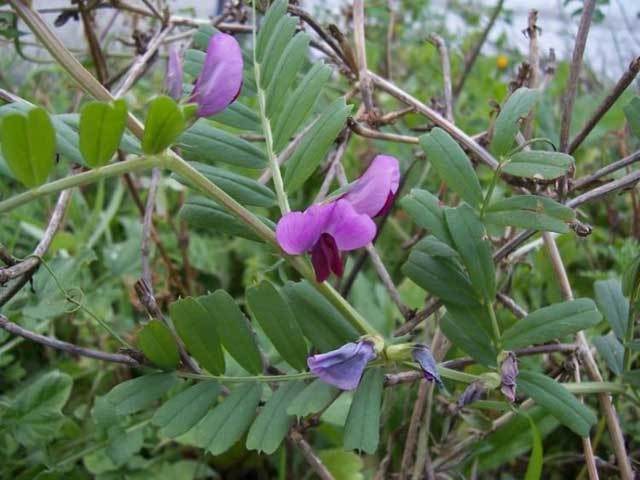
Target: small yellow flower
(502, 62)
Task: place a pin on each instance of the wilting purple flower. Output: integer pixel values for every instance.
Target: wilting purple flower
(325, 230)
(422, 355)
(508, 375)
(220, 80)
(473, 392)
(343, 367)
(372, 194)
(173, 82)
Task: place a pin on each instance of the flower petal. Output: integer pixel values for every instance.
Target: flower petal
(349, 229)
(326, 258)
(422, 355)
(174, 74)
(298, 232)
(508, 376)
(370, 192)
(342, 367)
(220, 80)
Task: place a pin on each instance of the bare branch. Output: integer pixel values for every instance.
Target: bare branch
(31, 263)
(147, 227)
(65, 346)
(473, 56)
(622, 84)
(591, 366)
(312, 459)
(612, 167)
(361, 57)
(441, 45)
(574, 72)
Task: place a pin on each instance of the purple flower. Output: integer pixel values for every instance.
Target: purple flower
(220, 80)
(343, 367)
(173, 82)
(325, 230)
(508, 375)
(473, 392)
(372, 194)
(422, 355)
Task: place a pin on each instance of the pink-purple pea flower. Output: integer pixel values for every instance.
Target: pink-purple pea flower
(343, 367)
(173, 83)
(372, 194)
(327, 229)
(220, 80)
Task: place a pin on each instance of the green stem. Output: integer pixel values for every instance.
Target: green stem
(278, 183)
(492, 186)
(586, 388)
(84, 178)
(628, 338)
(494, 325)
(457, 376)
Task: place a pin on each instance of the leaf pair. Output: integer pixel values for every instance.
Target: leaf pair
(205, 325)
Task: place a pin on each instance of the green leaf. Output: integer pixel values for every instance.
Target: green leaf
(276, 319)
(245, 190)
(164, 123)
(466, 328)
(511, 440)
(124, 445)
(157, 344)
(101, 128)
(362, 428)
(554, 321)
(34, 415)
(299, 104)
(320, 321)
(268, 27)
(611, 350)
(29, 145)
(224, 425)
(538, 164)
(285, 72)
(342, 465)
(631, 280)
(613, 305)
(534, 468)
(199, 332)
(238, 115)
(315, 144)
(186, 409)
(314, 398)
(561, 403)
(271, 426)
(139, 393)
(424, 208)
(530, 211)
(516, 107)
(237, 338)
(206, 215)
(633, 378)
(632, 112)
(207, 144)
(282, 35)
(452, 165)
(442, 277)
(470, 240)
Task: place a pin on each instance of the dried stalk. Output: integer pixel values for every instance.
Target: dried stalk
(441, 45)
(591, 366)
(574, 72)
(619, 88)
(66, 346)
